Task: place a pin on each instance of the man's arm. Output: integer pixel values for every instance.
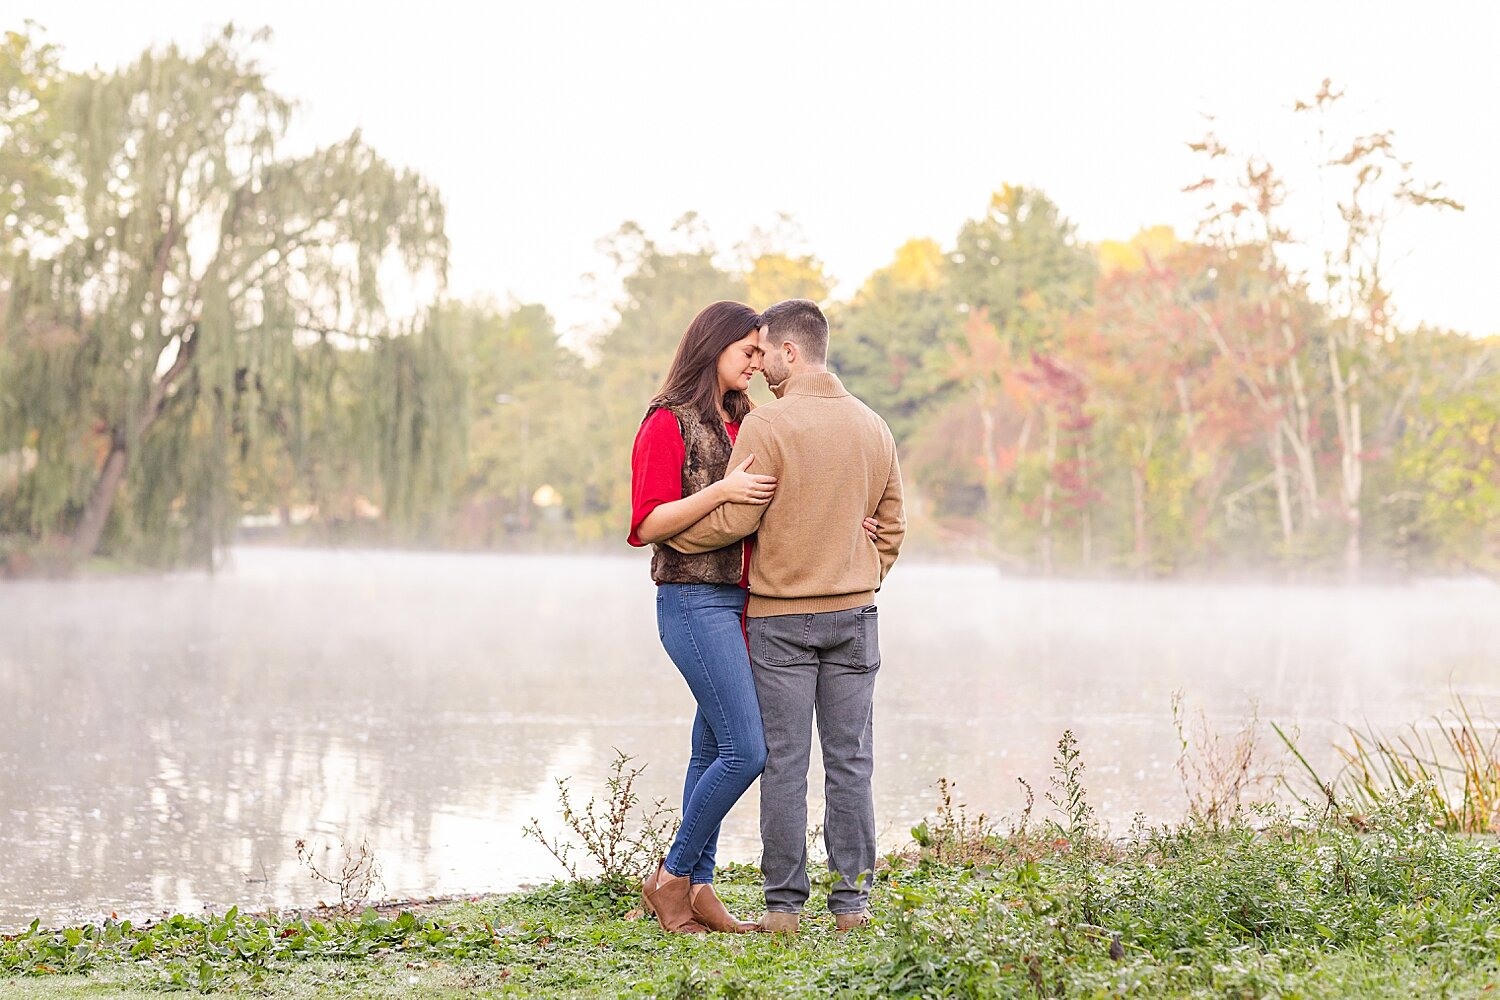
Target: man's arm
(730, 522)
(891, 513)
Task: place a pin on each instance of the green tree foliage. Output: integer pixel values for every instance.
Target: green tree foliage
(31, 202)
(664, 287)
(197, 325)
(1022, 263)
(207, 290)
(1437, 490)
(415, 407)
(889, 344)
(775, 277)
(530, 400)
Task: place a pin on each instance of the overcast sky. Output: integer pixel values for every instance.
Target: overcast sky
(546, 125)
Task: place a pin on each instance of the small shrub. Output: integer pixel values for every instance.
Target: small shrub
(1217, 774)
(623, 853)
(356, 878)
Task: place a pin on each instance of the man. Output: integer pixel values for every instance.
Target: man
(812, 622)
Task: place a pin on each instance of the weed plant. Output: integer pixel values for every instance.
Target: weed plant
(622, 849)
(1450, 764)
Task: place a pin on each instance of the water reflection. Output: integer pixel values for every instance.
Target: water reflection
(163, 743)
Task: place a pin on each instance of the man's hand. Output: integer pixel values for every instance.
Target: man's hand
(872, 528)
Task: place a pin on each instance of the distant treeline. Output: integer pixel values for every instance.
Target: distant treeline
(197, 336)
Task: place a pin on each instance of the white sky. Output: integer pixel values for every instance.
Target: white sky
(546, 125)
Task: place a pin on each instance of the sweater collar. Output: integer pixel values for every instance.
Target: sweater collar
(810, 384)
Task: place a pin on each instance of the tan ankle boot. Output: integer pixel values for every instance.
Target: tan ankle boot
(709, 910)
(779, 923)
(666, 896)
(843, 923)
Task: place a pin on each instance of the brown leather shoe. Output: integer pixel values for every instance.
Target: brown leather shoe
(845, 922)
(709, 910)
(666, 896)
(779, 923)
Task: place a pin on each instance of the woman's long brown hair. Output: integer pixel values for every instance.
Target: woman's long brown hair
(693, 379)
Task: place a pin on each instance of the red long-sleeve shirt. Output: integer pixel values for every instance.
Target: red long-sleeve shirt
(656, 473)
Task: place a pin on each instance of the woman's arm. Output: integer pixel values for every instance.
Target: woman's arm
(738, 486)
(666, 520)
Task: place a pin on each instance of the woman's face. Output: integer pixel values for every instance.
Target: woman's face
(739, 362)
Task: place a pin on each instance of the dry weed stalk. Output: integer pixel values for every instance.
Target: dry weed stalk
(358, 873)
(1218, 775)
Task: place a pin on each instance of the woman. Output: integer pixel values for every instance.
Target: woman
(678, 475)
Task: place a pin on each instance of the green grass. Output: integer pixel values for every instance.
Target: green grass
(1394, 900)
(1398, 909)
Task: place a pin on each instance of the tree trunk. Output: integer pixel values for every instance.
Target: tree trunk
(1210, 500)
(1354, 544)
(85, 540)
(1142, 543)
(1275, 445)
(1047, 492)
(1139, 472)
(1351, 446)
(1283, 493)
(987, 449)
(1088, 507)
(101, 501)
(1302, 439)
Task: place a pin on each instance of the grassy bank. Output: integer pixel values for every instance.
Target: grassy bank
(1391, 901)
(1396, 910)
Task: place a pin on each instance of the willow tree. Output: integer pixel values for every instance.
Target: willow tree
(207, 291)
(30, 206)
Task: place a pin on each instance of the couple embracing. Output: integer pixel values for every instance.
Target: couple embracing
(773, 527)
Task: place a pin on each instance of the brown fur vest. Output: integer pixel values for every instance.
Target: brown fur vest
(705, 460)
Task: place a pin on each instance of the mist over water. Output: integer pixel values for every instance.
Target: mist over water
(165, 741)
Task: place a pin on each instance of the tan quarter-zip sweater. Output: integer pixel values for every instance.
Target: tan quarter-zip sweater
(835, 464)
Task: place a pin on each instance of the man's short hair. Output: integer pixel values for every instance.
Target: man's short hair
(801, 322)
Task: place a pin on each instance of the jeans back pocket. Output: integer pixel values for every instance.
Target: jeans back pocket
(867, 631)
(781, 640)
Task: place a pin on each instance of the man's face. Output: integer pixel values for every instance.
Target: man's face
(773, 358)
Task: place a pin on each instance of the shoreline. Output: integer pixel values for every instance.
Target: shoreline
(318, 911)
(950, 557)
(1389, 907)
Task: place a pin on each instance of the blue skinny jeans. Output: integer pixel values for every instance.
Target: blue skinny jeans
(699, 625)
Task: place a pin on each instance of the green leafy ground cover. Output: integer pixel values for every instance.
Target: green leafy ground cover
(1239, 901)
(1395, 909)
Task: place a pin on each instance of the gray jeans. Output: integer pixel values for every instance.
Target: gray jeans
(825, 662)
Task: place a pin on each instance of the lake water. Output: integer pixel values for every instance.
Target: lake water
(164, 742)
